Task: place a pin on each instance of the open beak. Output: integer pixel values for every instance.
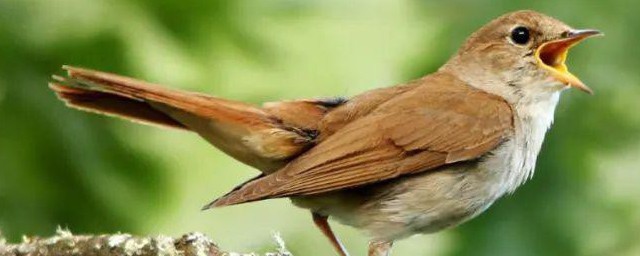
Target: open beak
(553, 54)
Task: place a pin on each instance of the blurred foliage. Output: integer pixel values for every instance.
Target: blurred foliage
(94, 174)
(58, 169)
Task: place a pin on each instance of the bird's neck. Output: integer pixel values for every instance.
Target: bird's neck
(533, 108)
(533, 102)
(513, 163)
(532, 120)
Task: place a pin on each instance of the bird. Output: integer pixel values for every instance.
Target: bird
(413, 158)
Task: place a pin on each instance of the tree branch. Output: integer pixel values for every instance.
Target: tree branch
(64, 243)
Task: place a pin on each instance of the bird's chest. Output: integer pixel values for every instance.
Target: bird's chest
(513, 163)
(450, 196)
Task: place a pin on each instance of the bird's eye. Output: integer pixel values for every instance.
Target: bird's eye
(520, 35)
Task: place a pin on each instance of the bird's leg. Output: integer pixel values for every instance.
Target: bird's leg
(380, 248)
(323, 225)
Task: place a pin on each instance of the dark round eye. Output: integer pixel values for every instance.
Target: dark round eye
(520, 35)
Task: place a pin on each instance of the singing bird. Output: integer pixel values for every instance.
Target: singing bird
(413, 158)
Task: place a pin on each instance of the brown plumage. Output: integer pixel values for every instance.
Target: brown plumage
(435, 121)
(265, 138)
(412, 158)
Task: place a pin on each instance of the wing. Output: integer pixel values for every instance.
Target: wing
(410, 134)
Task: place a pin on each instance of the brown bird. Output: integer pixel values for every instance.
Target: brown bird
(413, 158)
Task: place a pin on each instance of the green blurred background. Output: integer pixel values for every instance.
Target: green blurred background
(94, 174)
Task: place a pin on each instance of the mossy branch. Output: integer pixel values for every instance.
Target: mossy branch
(65, 243)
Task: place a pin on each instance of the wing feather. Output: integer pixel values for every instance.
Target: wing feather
(417, 131)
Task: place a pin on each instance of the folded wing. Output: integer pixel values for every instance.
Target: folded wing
(438, 123)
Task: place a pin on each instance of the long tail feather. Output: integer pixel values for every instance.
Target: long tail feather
(77, 94)
(265, 138)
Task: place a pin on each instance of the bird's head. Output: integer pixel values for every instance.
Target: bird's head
(519, 54)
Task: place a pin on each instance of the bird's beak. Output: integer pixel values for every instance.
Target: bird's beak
(552, 55)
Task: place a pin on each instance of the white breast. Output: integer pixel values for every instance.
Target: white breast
(514, 162)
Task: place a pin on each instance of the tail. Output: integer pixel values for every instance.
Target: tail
(265, 138)
(76, 94)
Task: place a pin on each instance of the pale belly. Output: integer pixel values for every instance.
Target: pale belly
(422, 203)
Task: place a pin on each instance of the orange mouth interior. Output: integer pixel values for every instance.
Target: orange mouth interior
(552, 55)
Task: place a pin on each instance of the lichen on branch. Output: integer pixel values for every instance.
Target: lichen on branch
(65, 243)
